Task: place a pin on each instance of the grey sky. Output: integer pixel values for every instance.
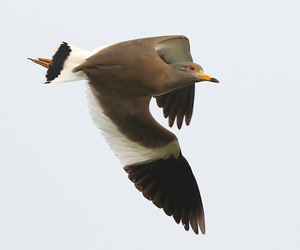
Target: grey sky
(61, 187)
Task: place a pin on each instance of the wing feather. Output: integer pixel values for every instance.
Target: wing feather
(127, 151)
(171, 185)
(177, 103)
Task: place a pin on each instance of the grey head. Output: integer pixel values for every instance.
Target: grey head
(182, 74)
(192, 72)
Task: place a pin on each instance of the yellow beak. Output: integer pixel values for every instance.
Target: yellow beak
(208, 78)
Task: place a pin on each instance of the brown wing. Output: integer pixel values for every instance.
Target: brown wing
(178, 104)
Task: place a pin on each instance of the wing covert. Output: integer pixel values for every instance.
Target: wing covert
(178, 103)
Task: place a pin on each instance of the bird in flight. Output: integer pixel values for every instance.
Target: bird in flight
(121, 80)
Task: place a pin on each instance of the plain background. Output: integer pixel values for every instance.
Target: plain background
(61, 187)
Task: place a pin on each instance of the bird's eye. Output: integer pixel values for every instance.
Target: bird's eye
(192, 67)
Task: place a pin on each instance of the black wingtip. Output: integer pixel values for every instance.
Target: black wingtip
(171, 185)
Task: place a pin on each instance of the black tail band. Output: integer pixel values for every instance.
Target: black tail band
(58, 61)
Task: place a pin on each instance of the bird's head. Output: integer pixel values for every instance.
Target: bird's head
(193, 72)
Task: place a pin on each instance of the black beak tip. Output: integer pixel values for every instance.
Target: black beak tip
(214, 80)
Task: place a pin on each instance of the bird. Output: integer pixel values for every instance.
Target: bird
(122, 78)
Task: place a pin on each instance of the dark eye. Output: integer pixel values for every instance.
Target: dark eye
(192, 67)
